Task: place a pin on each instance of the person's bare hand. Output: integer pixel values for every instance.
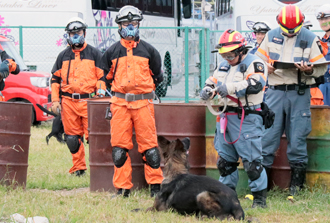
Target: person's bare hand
(270, 67)
(305, 68)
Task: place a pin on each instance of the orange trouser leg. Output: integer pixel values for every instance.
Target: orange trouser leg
(121, 136)
(146, 137)
(122, 177)
(74, 118)
(2, 98)
(78, 160)
(153, 176)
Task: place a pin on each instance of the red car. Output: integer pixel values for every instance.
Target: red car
(27, 86)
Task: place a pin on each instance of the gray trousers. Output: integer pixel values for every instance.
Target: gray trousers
(292, 116)
(248, 147)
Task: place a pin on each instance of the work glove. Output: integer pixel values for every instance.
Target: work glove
(206, 93)
(56, 107)
(4, 69)
(221, 89)
(100, 93)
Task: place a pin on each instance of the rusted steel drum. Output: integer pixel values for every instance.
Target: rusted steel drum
(184, 120)
(100, 150)
(15, 132)
(318, 145)
(212, 156)
(281, 173)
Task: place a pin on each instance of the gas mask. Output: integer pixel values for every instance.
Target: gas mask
(130, 30)
(76, 40)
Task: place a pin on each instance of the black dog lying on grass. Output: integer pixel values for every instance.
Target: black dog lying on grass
(57, 126)
(192, 194)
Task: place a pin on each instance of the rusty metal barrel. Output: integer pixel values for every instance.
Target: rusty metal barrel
(181, 120)
(15, 132)
(100, 150)
(212, 156)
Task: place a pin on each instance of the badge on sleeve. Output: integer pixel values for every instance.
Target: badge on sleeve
(258, 67)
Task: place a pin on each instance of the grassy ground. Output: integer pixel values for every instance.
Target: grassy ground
(53, 193)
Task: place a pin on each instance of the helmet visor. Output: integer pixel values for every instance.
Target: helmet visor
(291, 31)
(75, 26)
(260, 27)
(322, 15)
(129, 14)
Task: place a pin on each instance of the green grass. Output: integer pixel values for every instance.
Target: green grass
(52, 192)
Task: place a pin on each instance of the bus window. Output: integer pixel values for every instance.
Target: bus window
(223, 6)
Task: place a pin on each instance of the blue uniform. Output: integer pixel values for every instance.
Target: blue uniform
(325, 88)
(292, 111)
(248, 146)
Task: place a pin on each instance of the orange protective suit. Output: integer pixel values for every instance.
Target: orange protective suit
(77, 73)
(139, 66)
(316, 96)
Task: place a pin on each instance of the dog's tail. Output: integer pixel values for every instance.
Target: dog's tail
(45, 110)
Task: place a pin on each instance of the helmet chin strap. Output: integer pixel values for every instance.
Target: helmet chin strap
(239, 59)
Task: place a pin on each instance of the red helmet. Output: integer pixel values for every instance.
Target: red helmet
(230, 40)
(290, 19)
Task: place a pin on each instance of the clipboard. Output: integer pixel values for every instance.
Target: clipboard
(290, 65)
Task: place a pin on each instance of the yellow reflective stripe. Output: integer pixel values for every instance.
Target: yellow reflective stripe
(316, 58)
(226, 49)
(231, 36)
(284, 29)
(284, 15)
(297, 14)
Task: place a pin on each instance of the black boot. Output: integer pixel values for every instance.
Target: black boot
(269, 178)
(79, 173)
(259, 199)
(154, 189)
(298, 176)
(125, 194)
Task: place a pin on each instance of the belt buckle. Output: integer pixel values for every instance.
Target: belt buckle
(76, 96)
(129, 97)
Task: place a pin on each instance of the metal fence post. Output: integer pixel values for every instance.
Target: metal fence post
(208, 52)
(203, 60)
(186, 63)
(21, 40)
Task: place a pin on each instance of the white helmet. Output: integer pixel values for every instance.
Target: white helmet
(261, 27)
(75, 24)
(128, 13)
(323, 11)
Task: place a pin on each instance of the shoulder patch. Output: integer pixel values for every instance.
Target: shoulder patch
(277, 40)
(258, 67)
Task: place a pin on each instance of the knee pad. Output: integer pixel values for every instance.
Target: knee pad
(153, 157)
(253, 169)
(73, 143)
(119, 156)
(226, 168)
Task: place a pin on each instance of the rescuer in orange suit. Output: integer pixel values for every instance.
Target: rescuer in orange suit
(133, 83)
(77, 76)
(7, 66)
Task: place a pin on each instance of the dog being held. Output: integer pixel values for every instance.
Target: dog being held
(191, 194)
(57, 126)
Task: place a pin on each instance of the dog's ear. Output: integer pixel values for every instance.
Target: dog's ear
(163, 142)
(180, 146)
(186, 143)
